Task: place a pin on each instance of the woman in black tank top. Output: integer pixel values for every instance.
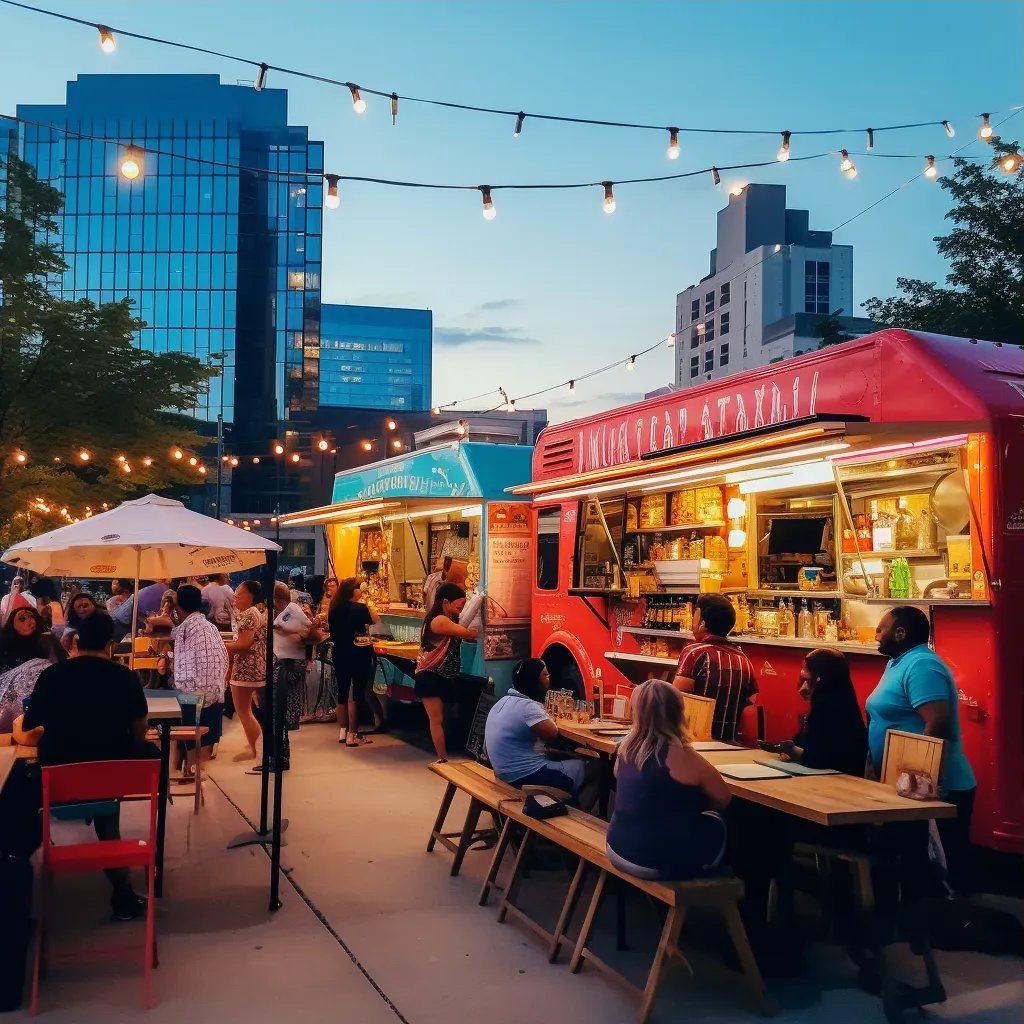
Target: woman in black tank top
(439, 664)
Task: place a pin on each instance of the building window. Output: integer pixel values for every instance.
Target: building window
(694, 337)
(723, 355)
(709, 329)
(723, 298)
(694, 366)
(709, 360)
(723, 324)
(709, 303)
(694, 310)
(549, 526)
(817, 277)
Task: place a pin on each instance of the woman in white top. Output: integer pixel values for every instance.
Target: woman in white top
(291, 627)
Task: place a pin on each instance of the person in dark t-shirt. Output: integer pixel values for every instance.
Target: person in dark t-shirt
(91, 709)
(348, 619)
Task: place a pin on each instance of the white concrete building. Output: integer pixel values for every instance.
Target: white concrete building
(772, 281)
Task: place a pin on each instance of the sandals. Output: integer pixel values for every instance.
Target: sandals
(360, 741)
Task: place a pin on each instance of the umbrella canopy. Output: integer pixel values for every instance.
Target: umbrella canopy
(150, 538)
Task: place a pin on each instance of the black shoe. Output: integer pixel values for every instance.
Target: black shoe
(127, 905)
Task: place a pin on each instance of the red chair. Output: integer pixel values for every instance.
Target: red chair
(87, 782)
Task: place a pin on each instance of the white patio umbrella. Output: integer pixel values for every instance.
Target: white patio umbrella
(149, 538)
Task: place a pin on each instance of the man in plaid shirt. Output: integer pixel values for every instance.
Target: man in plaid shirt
(713, 667)
(200, 663)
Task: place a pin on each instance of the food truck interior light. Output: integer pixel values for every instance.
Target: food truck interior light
(471, 511)
(424, 513)
(737, 539)
(737, 508)
(815, 473)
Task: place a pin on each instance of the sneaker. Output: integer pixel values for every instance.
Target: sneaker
(127, 905)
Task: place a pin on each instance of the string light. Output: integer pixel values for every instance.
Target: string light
(436, 411)
(20, 457)
(279, 449)
(223, 458)
(358, 103)
(985, 131)
(949, 129)
(178, 453)
(489, 211)
(670, 341)
(193, 461)
(295, 457)
(609, 197)
(673, 144)
(520, 118)
(332, 200)
(394, 108)
(931, 171)
(367, 446)
(147, 462)
(783, 154)
(202, 470)
(1009, 163)
(847, 166)
(233, 461)
(126, 467)
(261, 77)
(631, 364)
(255, 460)
(322, 445)
(572, 385)
(108, 44)
(391, 425)
(397, 445)
(131, 164)
(120, 458)
(715, 176)
(871, 138)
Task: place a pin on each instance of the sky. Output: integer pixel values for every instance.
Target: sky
(553, 287)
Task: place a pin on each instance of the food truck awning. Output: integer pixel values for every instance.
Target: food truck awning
(444, 478)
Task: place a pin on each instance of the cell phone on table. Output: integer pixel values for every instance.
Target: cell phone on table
(771, 748)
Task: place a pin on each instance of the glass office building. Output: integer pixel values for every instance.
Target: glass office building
(217, 241)
(375, 357)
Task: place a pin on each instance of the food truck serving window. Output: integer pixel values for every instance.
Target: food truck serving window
(599, 543)
(549, 527)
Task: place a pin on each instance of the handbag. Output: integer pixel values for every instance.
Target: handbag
(427, 661)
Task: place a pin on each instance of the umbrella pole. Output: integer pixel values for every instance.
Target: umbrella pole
(280, 725)
(135, 605)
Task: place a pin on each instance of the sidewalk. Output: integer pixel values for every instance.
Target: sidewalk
(359, 825)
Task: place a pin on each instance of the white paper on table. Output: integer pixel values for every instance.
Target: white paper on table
(713, 745)
(750, 772)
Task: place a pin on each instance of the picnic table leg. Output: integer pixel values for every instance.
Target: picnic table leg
(468, 834)
(588, 922)
(751, 972)
(568, 909)
(666, 947)
(513, 882)
(446, 803)
(161, 811)
(496, 859)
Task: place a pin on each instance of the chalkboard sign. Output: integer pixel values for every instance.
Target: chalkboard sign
(475, 746)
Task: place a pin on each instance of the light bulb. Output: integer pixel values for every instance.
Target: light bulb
(367, 446)
(332, 200)
(737, 508)
(193, 461)
(108, 44)
(737, 538)
(295, 457)
(572, 385)
(847, 166)
(715, 176)
(322, 445)
(670, 341)
(84, 456)
(673, 144)
(985, 131)
(871, 138)
(396, 444)
(21, 457)
(783, 154)
(609, 198)
(1009, 163)
(255, 522)
(279, 449)
(737, 189)
(261, 77)
(147, 462)
(120, 458)
(126, 467)
(931, 171)
(223, 458)
(631, 364)
(392, 424)
(131, 165)
(436, 410)
(520, 118)
(178, 453)
(949, 129)
(489, 211)
(255, 460)
(202, 470)
(394, 108)
(233, 461)
(358, 103)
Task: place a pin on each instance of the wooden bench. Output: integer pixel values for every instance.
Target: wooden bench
(584, 835)
(485, 792)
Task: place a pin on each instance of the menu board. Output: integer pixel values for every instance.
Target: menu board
(509, 581)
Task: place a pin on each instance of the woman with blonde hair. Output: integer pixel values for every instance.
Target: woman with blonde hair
(664, 824)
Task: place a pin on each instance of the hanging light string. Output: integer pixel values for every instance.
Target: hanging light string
(108, 35)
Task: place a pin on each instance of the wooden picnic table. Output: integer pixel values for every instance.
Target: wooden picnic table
(823, 799)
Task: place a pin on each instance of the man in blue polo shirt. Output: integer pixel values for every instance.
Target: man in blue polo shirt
(917, 694)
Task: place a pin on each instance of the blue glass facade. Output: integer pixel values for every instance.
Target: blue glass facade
(218, 249)
(375, 357)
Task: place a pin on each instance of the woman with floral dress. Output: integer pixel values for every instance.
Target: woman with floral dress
(248, 670)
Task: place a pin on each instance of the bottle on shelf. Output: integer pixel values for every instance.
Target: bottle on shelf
(805, 622)
(742, 614)
(906, 528)
(783, 618)
(598, 693)
(791, 618)
(882, 529)
(925, 531)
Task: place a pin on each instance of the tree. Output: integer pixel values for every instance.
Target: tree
(87, 419)
(829, 330)
(984, 297)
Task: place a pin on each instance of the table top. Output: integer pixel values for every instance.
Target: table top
(398, 648)
(161, 706)
(823, 799)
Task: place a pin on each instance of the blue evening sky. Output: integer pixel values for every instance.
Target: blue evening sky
(553, 287)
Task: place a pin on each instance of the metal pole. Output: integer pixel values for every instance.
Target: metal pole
(269, 701)
(280, 725)
(220, 460)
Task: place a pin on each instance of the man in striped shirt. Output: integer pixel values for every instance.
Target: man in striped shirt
(713, 667)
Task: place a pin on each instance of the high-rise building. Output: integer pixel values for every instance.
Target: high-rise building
(375, 357)
(772, 280)
(217, 240)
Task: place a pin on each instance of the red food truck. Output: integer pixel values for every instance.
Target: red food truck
(815, 494)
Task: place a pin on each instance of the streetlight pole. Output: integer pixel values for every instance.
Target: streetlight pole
(220, 462)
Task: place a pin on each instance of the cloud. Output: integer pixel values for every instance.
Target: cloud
(607, 400)
(455, 337)
(501, 304)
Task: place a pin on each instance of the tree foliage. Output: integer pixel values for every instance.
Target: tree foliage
(829, 331)
(72, 381)
(984, 293)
